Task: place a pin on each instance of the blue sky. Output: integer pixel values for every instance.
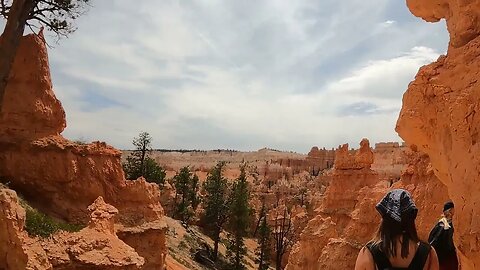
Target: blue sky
(244, 75)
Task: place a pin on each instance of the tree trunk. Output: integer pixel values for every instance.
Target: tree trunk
(278, 262)
(142, 160)
(215, 246)
(11, 36)
(237, 255)
(260, 263)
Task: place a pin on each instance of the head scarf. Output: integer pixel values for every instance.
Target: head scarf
(396, 204)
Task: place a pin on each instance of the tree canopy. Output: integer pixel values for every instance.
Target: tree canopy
(56, 16)
(140, 164)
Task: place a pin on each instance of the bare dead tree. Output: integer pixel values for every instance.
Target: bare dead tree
(284, 235)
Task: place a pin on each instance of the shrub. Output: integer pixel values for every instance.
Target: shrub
(39, 224)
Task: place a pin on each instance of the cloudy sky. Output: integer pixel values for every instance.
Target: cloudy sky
(208, 74)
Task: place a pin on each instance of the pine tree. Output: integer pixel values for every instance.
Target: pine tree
(264, 234)
(140, 164)
(216, 203)
(183, 182)
(194, 187)
(239, 220)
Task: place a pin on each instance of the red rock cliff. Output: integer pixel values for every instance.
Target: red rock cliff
(347, 218)
(62, 178)
(332, 239)
(440, 115)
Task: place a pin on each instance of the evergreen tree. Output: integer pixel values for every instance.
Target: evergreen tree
(184, 181)
(216, 203)
(194, 187)
(239, 220)
(264, 234)
(140, 164)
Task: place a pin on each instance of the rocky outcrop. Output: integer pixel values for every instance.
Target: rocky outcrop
(390, 160)
(440, 116)
(339, 225)
(346, 218)
(30, 108)
(17, 250)
(94, 247)
(316, 161)
(428, 191)
(149, 241)
(361, 159)
(57, 176)
(320, 159)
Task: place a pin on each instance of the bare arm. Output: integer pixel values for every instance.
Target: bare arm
(432, 261)
(365, 260)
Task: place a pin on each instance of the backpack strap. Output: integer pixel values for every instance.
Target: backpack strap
(380, 259)
(421, 256)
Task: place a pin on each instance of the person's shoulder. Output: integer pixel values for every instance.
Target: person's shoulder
(364, 260)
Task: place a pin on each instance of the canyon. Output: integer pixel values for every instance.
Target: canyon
(330, 194)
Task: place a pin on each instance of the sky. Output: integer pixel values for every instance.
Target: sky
(210, 74)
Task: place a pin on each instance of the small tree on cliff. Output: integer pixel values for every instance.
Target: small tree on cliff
(283, 234)
(56, 15)
(186, 188)
(216, 203)
(194, 188)
(239, 220)
(264, 234)
(140, 164)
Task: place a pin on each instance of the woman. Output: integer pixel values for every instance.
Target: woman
(441, 238)
(396, 245)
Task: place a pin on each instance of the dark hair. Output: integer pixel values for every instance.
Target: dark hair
(390, 230)
(448, 205)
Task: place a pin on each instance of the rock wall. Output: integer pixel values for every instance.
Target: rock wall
(347, 218)
(361, 159)
(427, 190)
(94, 247)
(340, 226)
(17, 250)
(390, 160)
(440, 116)
(57, 176)
(316, 161)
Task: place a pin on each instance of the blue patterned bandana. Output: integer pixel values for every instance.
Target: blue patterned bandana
(396, 204)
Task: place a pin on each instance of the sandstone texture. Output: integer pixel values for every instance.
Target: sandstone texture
(62, 178)
(346, 218)
(17, 250)
(361, 159)
(440, 116)
(390, 160)
(339, 226)
(94, 247)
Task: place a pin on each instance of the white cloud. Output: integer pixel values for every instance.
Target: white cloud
(240, 74)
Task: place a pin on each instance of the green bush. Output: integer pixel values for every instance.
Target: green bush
(39, 224)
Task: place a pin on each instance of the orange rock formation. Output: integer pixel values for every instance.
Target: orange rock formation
(17, 250)
(346, 218)
(336, 232)
(440, 116)
(316, 161)
(95, 247)
(62, 178)
(361, 159)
